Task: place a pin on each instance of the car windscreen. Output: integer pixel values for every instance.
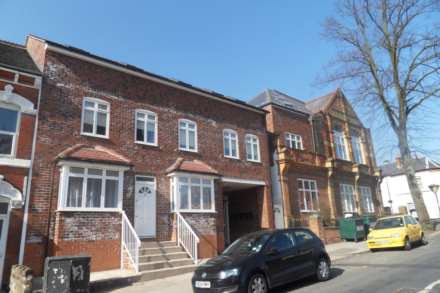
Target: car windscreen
(247, 245)
(389, 223)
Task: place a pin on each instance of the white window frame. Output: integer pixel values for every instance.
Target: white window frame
(187, 130)
(174, 192)
(356, 145)
(145, 121)
(95, 110)
(310, 192)
(253, 140)
(366, 199)
(340, 145)
(347, 193)
(227, 134)
(64, 185)
(15, 135)
(294, 141)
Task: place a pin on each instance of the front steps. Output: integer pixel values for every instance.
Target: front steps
(163, 259)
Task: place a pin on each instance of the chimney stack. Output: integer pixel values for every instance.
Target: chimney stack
(398, 162)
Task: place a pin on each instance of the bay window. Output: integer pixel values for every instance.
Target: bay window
(89, 187)
(230, 144)
(190, 193)
(9, 122)
(367, 199)
(357, 148)
(340, 147)
(347, 198)
(95, 117)
(308, 195)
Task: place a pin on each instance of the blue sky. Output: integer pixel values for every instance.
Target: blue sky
(237, 48)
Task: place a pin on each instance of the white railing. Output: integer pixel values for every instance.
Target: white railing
(130, 243)
(187, 237)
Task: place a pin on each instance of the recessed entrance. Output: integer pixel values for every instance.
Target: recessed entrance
(241, 207)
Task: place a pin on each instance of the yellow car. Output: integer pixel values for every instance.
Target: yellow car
(395, 231)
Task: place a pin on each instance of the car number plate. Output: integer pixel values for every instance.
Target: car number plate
(382, 241)
(203, 284)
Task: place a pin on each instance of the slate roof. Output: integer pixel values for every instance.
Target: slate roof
(142, 71)
(271, 96)
(16, 57)
(320, 104)
(96, 154)
(419, 164)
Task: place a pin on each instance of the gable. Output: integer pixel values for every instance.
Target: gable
(341, 108)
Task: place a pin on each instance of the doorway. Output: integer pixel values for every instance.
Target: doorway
(145, 206)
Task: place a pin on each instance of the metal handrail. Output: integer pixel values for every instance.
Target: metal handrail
(187, 237)
(130, 242)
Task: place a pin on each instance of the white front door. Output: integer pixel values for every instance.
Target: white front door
(145, 206)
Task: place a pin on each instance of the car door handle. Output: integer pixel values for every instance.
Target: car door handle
(305, 251)
(288, 257)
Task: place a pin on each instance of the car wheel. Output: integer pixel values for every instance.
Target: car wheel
(257, 284)
(407, 245)
(372, 250)
(323, 270)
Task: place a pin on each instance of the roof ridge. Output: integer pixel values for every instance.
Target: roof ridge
(126, 66)
(289, 96)
(12, 44)
(323, 96)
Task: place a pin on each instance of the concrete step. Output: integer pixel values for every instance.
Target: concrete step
(159, 250)
(167, 272)
(148, 266)
(155, 244)
(163, 257)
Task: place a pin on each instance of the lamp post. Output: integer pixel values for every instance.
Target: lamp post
(434, 188)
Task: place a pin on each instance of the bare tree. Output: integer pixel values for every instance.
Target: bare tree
(390, 54)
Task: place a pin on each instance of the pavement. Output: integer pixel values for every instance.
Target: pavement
(354, 269)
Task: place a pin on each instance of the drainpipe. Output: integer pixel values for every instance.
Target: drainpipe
(313, 133)
(27, 192)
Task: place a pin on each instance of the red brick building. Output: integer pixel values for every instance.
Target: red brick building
(20, 82)
(322, 159)
(113, 140)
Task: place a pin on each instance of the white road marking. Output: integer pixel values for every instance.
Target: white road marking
(430, 287)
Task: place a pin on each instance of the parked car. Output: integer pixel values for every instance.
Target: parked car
(395, 231)
(262, 260)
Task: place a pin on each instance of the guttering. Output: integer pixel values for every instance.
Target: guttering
(139, 73)
(27, 196)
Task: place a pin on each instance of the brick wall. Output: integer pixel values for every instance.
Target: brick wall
(23, 85)
(281, 121)
(68, 80)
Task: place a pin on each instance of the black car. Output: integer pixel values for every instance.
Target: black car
(263, 260)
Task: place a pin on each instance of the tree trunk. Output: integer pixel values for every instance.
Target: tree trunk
(410, 174)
